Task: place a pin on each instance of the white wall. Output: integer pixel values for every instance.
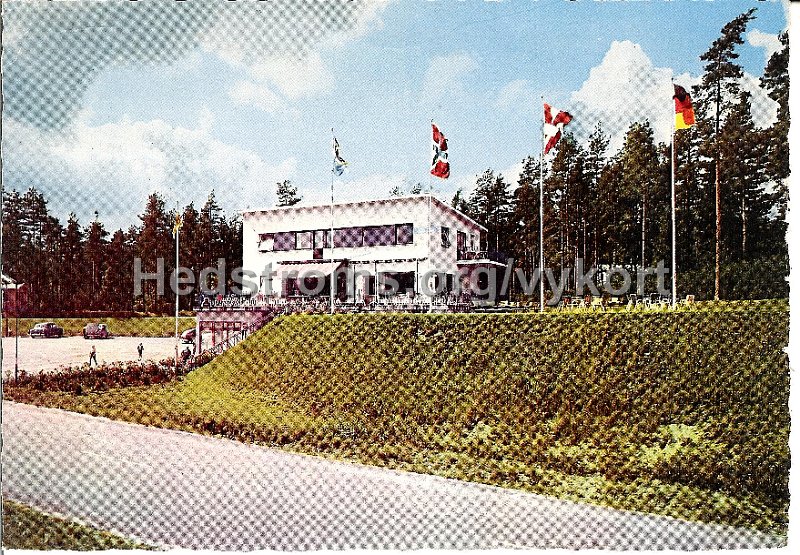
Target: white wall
(426, 245)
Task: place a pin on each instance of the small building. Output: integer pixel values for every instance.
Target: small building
(15, 297)
(414, 246)
(15, 301)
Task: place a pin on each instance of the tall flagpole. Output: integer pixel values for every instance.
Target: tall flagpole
(177, 266)
(333, 267)
(541, 218)
(674, 239)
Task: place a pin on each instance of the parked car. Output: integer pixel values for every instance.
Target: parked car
(96, 331)
(46, 329)
(188, 336)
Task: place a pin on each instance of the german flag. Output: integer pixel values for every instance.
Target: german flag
(684, 113)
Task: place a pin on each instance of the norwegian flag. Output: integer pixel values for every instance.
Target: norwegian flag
(553, 126)
(440, 167)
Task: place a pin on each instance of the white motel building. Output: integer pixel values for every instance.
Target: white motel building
(408, 239)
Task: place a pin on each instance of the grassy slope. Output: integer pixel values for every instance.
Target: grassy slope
(27, 528)
(683, 414)
(154, 326)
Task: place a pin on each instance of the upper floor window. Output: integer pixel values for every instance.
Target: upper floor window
(405, 234)
(461, 240)
(266, 241)
(348, 237)
(379, 235)
(284, 241)
(446, 237)
(304, 239)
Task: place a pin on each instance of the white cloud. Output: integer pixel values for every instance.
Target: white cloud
(764, 109)
(114, 166)
(253, 94)
(516, 93)
(626, 87)
(296, 68)
(769, 42)
(445, 76)
(295, 78)
(511, 174)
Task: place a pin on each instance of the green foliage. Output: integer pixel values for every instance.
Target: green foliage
(681, 412)
(27, 528)
(287, 193)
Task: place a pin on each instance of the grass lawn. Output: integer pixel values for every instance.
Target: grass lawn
(149, 326)
(683, 414)
(27, 528)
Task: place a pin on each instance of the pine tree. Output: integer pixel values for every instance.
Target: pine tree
(72, 265)
(640, 176)
(287, 194)
(117, 288)
(490, 205)
(94, 255)
(154, 241)
(720, 87)
(776, 81)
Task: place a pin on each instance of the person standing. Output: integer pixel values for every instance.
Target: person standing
(93, 356)
(140, 350)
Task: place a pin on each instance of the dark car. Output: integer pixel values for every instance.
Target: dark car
(46, 329)
(96, 331)
(188, 336)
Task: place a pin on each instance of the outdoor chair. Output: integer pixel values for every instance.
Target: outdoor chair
(597, 304)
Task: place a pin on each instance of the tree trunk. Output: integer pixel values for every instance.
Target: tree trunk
(718, 199)
(744, 228)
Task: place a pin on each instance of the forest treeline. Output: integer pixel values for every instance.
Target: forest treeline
(607, 208)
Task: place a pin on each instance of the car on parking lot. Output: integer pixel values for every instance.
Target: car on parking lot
(46, 329)
(96, 331)
(188, 336)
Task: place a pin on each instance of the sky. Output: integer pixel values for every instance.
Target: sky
(106, 102)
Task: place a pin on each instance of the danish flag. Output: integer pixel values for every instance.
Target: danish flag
(553, 126)
(440, 167)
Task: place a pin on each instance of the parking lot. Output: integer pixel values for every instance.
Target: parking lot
(50, 354)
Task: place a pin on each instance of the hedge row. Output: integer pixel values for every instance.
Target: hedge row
(151, 326)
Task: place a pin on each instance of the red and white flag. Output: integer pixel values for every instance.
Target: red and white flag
(440, 167)
(553, 126)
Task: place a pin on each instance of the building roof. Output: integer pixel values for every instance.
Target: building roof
(9, 283)
(393, 200)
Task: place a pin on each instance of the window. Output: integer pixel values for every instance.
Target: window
(303, 240)
(266, 241)
(381, 235)
(348, 237)
(284, 241)
(446, 237)
(461, 240)
(321, 238)
(405, 234)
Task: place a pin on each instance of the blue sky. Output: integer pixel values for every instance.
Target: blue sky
(227, 105)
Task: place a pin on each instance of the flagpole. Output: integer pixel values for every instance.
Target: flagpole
(541, 218)
(177, 266)
(333, 267)
(674, 238)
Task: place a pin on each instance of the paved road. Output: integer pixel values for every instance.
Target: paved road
(50, 354)
(175, 489)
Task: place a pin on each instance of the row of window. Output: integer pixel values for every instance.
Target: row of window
(359, 236)
(463, 241)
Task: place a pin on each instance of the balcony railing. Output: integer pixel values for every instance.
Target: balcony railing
(492, 256)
